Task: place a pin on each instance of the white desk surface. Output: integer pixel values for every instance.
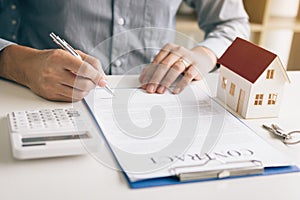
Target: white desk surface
(82, 177)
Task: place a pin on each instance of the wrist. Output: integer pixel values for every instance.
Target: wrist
(13, 62)
(207, 52)
(3, 62)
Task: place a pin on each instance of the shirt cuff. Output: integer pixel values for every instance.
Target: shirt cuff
(4, 43)
(216, 45)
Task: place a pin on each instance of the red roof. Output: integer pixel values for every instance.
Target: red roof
(246, 59)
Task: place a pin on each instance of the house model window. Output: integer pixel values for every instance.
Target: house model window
(224, 82)
(270, 74)
(272, 99)
(232, 89)
(258, 99)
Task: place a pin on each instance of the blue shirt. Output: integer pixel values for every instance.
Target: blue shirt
(139, 27)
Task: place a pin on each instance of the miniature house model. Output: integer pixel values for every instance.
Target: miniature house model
(251, 80)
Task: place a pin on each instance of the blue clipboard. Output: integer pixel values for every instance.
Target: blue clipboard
(174, 180)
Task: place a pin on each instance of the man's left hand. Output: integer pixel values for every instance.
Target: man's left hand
(173, 61)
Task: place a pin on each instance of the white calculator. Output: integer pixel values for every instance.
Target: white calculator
(47, 133)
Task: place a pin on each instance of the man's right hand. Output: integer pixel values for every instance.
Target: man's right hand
(52, 74)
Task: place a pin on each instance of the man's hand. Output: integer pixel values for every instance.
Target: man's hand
(171, 62)
(52, 74)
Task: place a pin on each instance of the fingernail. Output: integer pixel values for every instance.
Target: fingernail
(150, 88)
(102, 83)
(176, 90)
(161, 89)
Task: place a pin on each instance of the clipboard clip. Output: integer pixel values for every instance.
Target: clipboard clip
(223, 170)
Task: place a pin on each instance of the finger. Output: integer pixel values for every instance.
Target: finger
(171, 76)
(61, 97)
(181, 51)
(97, 75)
(164, 66)
(147, 73)
(168, 63)
(71, 94)
(86, 70)
(77, 96)
(82, 84)
(66, 77)
(69, 82)
(176, 53)
(189, 75)
(164, 52)
(91, 60)
(60, 92)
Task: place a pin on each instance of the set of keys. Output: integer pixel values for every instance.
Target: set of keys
(292, 137)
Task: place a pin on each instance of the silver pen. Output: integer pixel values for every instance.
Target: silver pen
(64, 45)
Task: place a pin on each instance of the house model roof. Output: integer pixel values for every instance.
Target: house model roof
(247, 59)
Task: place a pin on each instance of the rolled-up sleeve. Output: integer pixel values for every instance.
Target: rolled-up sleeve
(4, 43)
(222, 21)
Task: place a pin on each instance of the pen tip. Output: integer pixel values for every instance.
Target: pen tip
(110, 91)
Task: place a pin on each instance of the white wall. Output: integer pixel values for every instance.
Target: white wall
(285, 9)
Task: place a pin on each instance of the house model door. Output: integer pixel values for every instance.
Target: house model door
(240, 102)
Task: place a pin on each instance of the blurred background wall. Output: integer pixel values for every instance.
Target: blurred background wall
(275, 25)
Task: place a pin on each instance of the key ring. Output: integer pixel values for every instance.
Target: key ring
(290, 139)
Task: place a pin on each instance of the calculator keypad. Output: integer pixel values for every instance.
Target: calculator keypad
(52, 119)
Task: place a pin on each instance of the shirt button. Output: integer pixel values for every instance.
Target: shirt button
(13, 7)
(13, 22)
(14, 37)
(118, 63)
(121, 21)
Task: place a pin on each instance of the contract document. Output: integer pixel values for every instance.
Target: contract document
(162, 135)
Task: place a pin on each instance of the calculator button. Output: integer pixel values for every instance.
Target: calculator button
(56, 120)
